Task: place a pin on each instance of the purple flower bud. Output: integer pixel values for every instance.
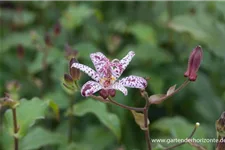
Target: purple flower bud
(70, 53)
(48, 40)
(57, 29)
(68, 79)
(20, 51)
(74, 72)
(112, 92)
(194, 63)
(104, 93)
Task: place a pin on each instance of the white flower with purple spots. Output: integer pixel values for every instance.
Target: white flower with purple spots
(106, 75)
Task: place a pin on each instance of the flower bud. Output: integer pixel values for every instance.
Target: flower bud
(57, 29)
(47, 39)
(13, 86)
(70, 53)
(104, 93)
(194, 63)
(74, 72)
(112, 92)
(68, 79)
(220, 127)
(20, 51)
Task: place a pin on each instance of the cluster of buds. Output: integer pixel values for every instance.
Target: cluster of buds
(70, 80)
(220, 127)
(8, 101)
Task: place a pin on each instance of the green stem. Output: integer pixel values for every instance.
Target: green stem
(177, 145)
(125, 106)
(70, 131)
(16, 143)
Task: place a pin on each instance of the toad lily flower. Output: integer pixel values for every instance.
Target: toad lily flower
(106, 75)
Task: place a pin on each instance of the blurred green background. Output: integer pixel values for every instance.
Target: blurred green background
(162, 34)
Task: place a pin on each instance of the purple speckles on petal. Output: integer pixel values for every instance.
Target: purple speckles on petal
(90, 88)
(133, 82)
(94, 75)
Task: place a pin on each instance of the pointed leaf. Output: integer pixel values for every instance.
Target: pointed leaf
(139, 119)
(27, 112)
(39, 137)
(100, 110)
(171, 90)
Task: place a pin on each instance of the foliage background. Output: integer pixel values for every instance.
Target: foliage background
(162, 34)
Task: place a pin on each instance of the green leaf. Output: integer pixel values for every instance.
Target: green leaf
(203, 28)
(144, 33)
(100, 110)
(55, 108)
(75, 15)
(14, 39)
(27, 112)
(18, 18)
(85, 49)
(37, 64)
(39, 137)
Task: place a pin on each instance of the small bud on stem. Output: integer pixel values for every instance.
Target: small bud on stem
(194, 63)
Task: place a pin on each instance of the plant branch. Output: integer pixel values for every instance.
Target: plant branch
(147, 135)
(110, 100)
(177, 90)
(192, 133)
(16, 143)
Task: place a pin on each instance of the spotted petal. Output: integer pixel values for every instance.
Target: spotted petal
(93, 74)
(120, 87)
(133, 82)
(99, 60)
(119, 66)
(90, 88)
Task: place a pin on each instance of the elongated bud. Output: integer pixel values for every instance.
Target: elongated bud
(20, 51)
(57, 29)
(194, 63)
(112, 92)
(48, 40)
(68, 79)
(74, 72)
(70, 53)
(104, 93)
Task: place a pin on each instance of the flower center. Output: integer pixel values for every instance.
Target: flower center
(106, 82)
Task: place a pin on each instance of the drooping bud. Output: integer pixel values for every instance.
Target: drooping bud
(8, 101)
(13, 86)
(74, 72)
(68, 79)
(70, 53)
(57, 29)
(112, 92)
(48, 40)
(104, 93)
(20, 51)
(194, 63)
(220, 127)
